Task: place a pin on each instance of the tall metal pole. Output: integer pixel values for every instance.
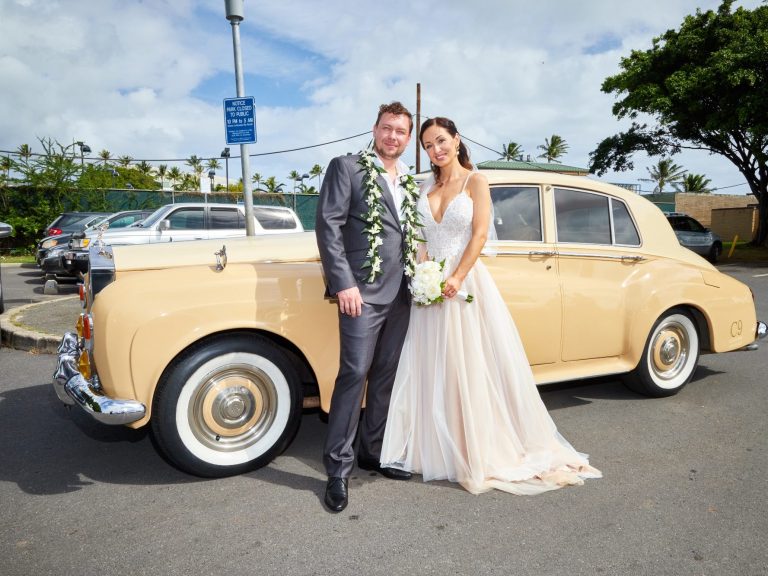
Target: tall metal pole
(418, 127)
(234, 11)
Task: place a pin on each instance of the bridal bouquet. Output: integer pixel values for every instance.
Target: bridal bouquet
(427, 284)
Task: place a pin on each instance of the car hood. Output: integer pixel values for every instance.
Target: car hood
(271, 248)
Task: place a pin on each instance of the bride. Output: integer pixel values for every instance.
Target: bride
(465, 405)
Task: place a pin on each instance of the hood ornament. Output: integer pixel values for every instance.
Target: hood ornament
(221, 258)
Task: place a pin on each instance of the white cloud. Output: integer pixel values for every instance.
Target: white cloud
(123, 75)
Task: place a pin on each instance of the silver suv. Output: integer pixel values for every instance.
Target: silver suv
(187, 221)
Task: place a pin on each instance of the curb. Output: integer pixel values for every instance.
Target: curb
(13, 336)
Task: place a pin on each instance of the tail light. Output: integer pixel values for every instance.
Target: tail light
(87, 327)
(55, 231)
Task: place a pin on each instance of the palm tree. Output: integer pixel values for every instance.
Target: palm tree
(124, 161)
(553, 148)
(197, 166)
(25, 153)
(694, 183)
(5, 165)
(105, 156)
(512, 151)
(174, 175)
(162, 171)
(256, 179)
(144, 167)
(271, 186)
(295, 176)
(665, 172)
(212, 164)
(318, 171)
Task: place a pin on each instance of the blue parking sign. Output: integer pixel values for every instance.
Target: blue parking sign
(240, 120)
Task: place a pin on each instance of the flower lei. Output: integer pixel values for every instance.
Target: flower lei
(374, 227)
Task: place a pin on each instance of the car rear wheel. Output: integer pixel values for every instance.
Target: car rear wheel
(715, 252)
(669, 358)
(227, 406)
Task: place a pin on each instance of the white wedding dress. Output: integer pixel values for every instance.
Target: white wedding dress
(465, 407)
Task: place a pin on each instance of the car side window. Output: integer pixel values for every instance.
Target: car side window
(517, 213)
(582, 217)
(187, 219)
(624, 230)
(272, 219)
(226, 218)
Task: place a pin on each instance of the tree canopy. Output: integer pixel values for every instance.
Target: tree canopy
(705, 87)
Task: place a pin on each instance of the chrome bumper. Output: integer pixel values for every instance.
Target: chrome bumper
(73, 388)
(760, 333)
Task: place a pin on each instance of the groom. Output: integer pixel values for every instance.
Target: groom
(373, 308)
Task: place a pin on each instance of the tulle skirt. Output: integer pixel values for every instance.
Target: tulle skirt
(465, 407)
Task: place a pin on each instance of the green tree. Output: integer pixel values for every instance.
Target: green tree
(663, 173)
(705, 87)
(317, 171)
(105, 156)
(553, 148)
(694, 183)
(295, 176)
(512, 151)
(161, 172)
(272, 186)
(257, 180)
(196, 164)
(124, 161)
(5, 166)
(144, 167)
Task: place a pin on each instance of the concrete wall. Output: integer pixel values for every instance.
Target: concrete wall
(728, 222)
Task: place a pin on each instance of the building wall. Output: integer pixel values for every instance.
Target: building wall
(700, 206)
(729, 222)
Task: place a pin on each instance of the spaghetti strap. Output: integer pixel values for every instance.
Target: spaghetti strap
(464, 188)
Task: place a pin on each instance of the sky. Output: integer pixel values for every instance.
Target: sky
(147, 78)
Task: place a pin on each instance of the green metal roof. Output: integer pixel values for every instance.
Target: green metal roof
(521, 165)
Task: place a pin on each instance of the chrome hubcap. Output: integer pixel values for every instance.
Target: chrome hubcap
(233, 408)
(670, 350)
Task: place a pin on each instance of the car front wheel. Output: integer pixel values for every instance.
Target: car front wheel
(670, 356)
(227, 406)
(715, 252)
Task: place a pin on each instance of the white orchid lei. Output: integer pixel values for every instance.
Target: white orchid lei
(374, 227)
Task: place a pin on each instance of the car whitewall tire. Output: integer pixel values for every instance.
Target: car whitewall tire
(670, 356)
(227, 407)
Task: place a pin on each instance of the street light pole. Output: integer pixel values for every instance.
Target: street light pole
(211, 174)
(225, 154)
(301, 182)
(235, 15)
(84, 149)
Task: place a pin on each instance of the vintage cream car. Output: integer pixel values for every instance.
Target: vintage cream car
(217, 345)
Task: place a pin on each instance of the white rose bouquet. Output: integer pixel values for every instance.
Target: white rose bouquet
(427, 284)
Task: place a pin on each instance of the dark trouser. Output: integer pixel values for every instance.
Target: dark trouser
(370, 348)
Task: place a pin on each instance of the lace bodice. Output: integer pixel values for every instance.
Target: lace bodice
(448, 238)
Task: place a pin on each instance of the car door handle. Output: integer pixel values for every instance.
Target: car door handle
(542, 253)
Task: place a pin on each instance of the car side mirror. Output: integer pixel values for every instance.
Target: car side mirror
(164, 225)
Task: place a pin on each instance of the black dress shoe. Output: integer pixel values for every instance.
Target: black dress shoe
(375, 466)
(336, 494)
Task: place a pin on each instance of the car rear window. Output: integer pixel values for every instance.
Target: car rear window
(274, 219)
(226, 218)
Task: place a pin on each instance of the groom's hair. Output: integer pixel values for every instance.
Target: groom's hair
(396, 109)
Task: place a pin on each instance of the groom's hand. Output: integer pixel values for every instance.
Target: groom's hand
(350, 301)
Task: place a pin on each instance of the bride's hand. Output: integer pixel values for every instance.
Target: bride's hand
(452, 286)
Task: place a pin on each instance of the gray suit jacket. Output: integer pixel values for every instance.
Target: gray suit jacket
(343, 244)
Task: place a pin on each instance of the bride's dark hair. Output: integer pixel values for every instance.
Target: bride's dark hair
(450, 127)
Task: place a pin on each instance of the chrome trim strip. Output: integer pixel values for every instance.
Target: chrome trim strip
(761, 330)
(73, 389)
(622, 257)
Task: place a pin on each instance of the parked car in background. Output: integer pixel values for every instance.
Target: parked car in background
(60, 230)
(5, 230)
(694, 236)
(54, 264)
(216, 344)
(183, 222)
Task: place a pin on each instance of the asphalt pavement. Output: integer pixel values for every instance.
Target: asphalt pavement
(33, 320)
